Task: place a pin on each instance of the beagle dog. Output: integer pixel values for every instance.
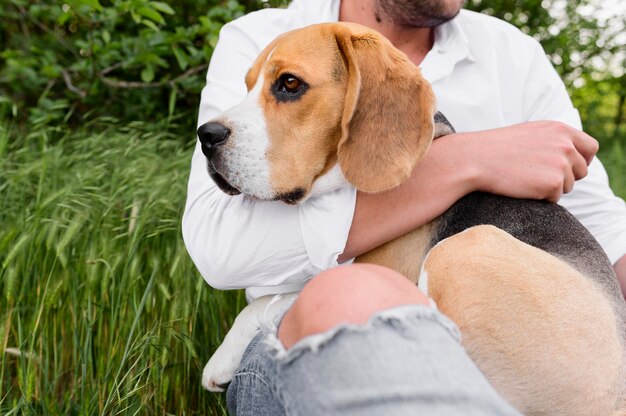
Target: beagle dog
(532, 292)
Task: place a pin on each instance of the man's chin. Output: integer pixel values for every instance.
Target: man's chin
(419, 13)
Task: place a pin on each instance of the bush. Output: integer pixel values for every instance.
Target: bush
(131, 59)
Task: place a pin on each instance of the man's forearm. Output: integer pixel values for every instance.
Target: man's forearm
(535, 160)
(437, 182)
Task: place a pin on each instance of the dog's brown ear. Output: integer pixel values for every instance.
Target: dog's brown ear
(387, 122)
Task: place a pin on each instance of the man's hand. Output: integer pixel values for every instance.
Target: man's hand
(535, 160)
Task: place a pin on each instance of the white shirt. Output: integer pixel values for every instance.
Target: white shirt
(485, 74)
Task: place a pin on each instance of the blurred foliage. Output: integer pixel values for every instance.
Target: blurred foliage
(585, 52)
(136, 59)
(145, 60)
(570, 38)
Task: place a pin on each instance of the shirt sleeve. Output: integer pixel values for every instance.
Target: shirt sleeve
(236, 242)
(592, 201)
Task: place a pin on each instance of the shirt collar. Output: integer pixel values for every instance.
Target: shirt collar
(317, 11)
(450, 37)
(451, 47)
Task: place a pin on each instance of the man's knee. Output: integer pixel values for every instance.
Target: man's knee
(346, 294)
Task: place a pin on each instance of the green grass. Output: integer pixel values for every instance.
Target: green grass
(102, 310)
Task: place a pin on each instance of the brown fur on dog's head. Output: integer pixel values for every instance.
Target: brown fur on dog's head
(365, 106)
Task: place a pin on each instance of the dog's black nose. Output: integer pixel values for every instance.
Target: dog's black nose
(212, 134)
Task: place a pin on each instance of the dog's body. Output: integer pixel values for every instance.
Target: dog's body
(532, 292)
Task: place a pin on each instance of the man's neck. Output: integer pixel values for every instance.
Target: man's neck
(414, 42)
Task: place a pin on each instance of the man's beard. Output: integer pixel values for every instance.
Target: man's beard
(418, 13)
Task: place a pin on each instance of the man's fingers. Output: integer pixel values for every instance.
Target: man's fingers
(586, 145)
(568, 183)
(554, 197)
(556, 154)
(579, 166)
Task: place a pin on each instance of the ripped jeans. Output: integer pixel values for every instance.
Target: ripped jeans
(404, 361)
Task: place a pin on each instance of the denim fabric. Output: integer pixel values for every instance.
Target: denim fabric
(404, 361)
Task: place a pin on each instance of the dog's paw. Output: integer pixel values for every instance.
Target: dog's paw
(220, 369)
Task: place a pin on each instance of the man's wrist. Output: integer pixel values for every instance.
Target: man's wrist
(462, 161)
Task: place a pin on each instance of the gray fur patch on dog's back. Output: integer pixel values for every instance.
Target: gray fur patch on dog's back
(442, 126)
(541, 224)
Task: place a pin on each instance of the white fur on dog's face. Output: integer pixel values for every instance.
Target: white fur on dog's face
(242, 162)
(330, 181)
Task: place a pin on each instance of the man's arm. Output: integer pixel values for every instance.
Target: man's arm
(537, 160)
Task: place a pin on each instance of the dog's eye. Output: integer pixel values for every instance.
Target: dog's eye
(288, 87)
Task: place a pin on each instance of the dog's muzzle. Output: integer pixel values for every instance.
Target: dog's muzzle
(212, 135)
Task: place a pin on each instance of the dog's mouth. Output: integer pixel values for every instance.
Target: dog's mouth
(293, 197)
(220, 181)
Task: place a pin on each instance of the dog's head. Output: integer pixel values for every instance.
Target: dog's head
(326, 104)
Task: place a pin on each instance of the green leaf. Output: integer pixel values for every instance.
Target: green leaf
(162, 7)
(150, 24)
(91, 3)
(151, 14)
(159, 61)
(64, 17)
(106, 36)
(147, 74)
(180, 57)
(205, 21)
(172, 101)
(135, 16)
